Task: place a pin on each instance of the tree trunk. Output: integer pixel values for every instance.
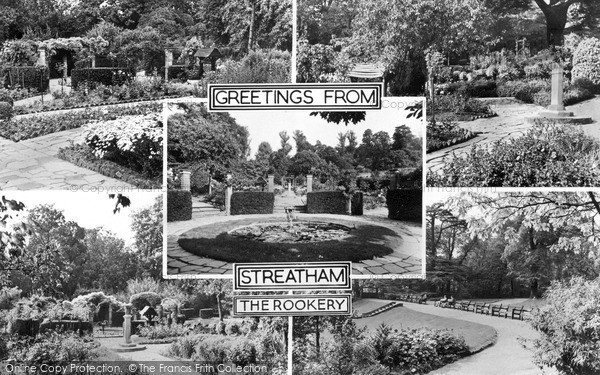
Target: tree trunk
(534, 288)
(556, 20)
(251, 31)
(317, 337)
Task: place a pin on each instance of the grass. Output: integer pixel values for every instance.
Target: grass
(213, 241)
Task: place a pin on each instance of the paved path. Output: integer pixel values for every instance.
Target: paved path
(506, 356)
(33, 164)
(153, 352)
(405, 260)
(509, 123)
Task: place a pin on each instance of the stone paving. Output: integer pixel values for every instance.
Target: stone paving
(509, 123)
(33, 164)
(406, 260)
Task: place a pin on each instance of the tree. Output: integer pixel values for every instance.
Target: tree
(306, 162)
(13, 234)
(220, 288)
(147, 225)
(302, 143)
(556, 14)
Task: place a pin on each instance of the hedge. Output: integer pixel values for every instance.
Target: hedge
(179, 205)
(252, 202)
(105, 76)
(326, 202)
(357, 203)
(405, 204)
(177, 72)
(27, 77)
(6, 110)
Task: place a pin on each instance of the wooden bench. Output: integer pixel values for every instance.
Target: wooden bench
(518, 312)
(500, 311)
(463, 305)
(482, 308)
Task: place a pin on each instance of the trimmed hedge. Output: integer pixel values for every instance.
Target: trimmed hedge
(179, 205)
(105, 76)
(252, 202)
(357, 203)
(27, 77)
(326, 202)
(405, 204)
(179, 72)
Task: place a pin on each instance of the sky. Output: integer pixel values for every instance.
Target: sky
(89, 209)
(266, 125)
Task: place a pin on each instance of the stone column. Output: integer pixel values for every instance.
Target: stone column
(185, 180)
(94, 61)
(228, 193)
(42, 56)
(309, 179)
(127, 324)
(556, 97)
(168, 62)
(289, 186)
(271, 184)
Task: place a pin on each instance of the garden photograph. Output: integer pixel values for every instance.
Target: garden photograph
(295, 186)
(512, 287)
(511, 85)
(87, 289)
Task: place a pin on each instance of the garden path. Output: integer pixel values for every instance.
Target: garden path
(33, 164)
(509, 123)
(404, 261)
(506, 356)
(153, 352)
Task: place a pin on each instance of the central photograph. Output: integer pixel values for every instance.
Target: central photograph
(295, 186)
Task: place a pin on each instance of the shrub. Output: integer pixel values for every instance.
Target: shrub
(326, 202)
(314, 62)
(547, 155)
(586, 60)
(105, 76)
(6, 111)
(232, 329)
(480, 88)
(178, 72)
(220, 328)
(132, 141)
(242, 352)
(252, 202)
(141, 300)
(54, 349)
(28, 77)
(185, 346)
(6, 96)
(445, 133)
(523, 90)
(162, 331)
(568, 324)
(179, 205)
(404, 204)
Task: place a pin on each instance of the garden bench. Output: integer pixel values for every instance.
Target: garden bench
(422, 299)
(469, 307)
(482, 308)
(518, 312)
(463, 305)
(500, 311)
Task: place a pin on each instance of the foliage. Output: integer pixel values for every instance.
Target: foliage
(314, 62)
(6, 111)
(163, 331)
(569, 327)
(132, 141)
(445, 133)
(147, 225)
(33, 78)
(105, 76)
(586, 60)
(547, 155)
(522, 89)
(328, 202)
(405, 204)
(53, 349)
(179, 205)
(18, 52)
(252, 202)
(141, 300)
(36, 126)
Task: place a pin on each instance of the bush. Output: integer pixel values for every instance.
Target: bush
(179, 205)
(105, 76)
(27, 77)
(141, 300)
(586, 60)
(523, 90)
(6, 111)
(326, 202)
(178, 72)
(132, 141)
(53, 349)
(252, 202)
(405, 204)
(568, 324)
(547, 155)
(480, 88)
(232, 329)
(162, 331)
(445, 133)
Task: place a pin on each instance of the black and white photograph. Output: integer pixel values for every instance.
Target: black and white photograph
(329, 186)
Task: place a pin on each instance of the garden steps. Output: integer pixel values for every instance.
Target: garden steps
(204, 208)
(297, 209)
(382, 309)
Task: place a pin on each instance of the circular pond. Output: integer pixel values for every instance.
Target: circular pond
(293, 233)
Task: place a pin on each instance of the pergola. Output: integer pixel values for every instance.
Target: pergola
(368, 73)
(210, 54)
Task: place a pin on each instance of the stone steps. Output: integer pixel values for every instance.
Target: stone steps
(381, 309)
(297, 209)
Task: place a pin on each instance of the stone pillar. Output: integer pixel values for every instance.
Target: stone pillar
(65, 67)
(110, 315)
(127, 324)
(168, 62)
(94, 61)
(309, 178)
(42, 56)
(271, 184)
(228, 193)
(393, 181)
(185, 180)
(289, 186)
(556, 97)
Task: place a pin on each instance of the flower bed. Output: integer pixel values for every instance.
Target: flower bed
(35, 126)
(82, 155)
(445, 133)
